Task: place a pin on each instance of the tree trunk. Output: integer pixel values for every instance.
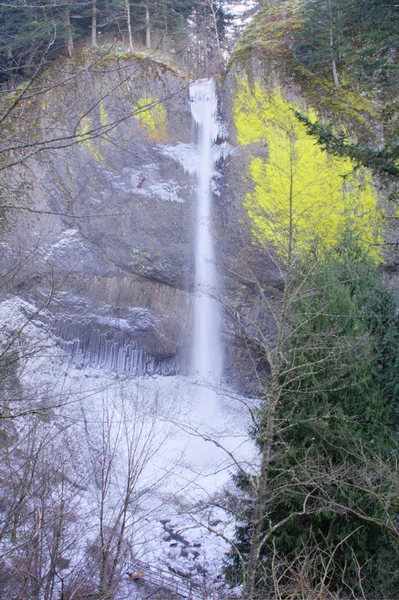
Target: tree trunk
(147, 28)
(335, 75)
(37, 562)
(256, 541)
(94, 24)
(215, 26)
(272, 399)
(333, 63)
(68, 34)
(129, 25)
(164, 35)
(55, 550)
(205, 29)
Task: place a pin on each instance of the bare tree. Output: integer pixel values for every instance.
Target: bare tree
(123, 439)
(39, 519)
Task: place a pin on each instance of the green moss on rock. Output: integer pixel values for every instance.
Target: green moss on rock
(300, 194)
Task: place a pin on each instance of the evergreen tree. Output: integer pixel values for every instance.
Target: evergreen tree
(30, 33)
(330, 505)
(385, 160)
(322, 46)
(360, 36)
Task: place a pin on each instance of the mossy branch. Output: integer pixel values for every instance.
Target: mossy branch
(384, 160)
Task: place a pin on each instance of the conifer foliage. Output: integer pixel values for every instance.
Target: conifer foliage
(384, 160)
(359, 36)
(35, 32)
(329, 509)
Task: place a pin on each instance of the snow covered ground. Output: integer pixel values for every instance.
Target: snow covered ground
(192, 454)
(181, 440)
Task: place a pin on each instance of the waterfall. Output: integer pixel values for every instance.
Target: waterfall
(207, 346)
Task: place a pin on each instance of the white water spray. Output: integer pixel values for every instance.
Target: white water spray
(207, 350)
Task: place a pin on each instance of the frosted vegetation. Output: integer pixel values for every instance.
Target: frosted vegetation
(114, 474)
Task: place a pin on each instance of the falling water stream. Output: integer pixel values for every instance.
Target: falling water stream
(207, 349)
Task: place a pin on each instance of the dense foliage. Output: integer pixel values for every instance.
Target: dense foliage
(330, 512)
(360, 35)
(319, 518)
(384, 160)
(32, 33)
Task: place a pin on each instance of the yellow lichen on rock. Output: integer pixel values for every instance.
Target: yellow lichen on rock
(152, 117)
(103, 115)
(86, 128)
(301, 195)
(104, 121)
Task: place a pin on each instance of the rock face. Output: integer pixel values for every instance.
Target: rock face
(102, 238)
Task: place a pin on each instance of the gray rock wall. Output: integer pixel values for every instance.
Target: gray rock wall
(101, 241)
(103, 238)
